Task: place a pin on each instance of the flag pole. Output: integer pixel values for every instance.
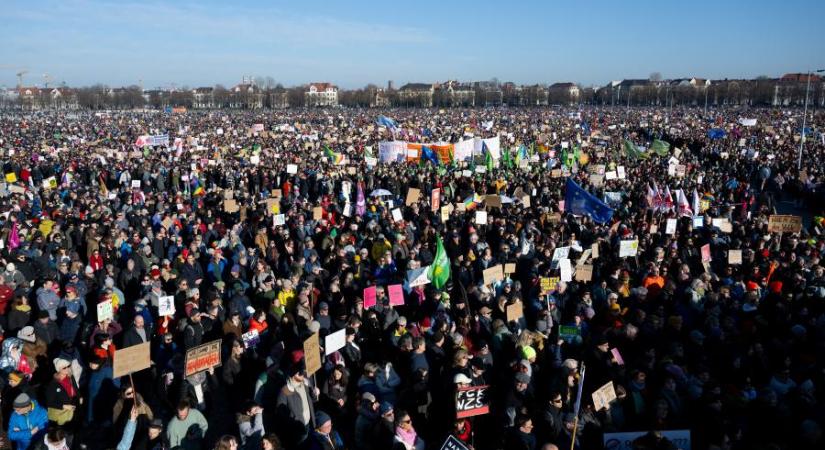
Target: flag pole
(577, 407)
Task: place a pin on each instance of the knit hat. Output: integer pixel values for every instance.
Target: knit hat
(528, 352)
(368, 397)
(60, 364)
(15, 376)
(27, 334)
(385, 408)
(462, 379)
(522, 377)
(321, 418)
(23, 400)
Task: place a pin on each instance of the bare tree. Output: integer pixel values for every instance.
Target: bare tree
(655, 76)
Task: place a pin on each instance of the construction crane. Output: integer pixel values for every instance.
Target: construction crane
(20, 72)
(20, 78)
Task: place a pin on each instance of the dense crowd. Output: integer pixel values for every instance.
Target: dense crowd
(266, 235)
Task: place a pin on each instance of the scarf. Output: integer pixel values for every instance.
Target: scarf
(407, 437)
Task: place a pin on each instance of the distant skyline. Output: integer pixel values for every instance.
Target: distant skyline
(353, 43)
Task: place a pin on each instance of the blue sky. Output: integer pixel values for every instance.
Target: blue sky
(351, 43)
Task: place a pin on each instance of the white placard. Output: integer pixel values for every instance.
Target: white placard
(670, 228)
(566, 270)
(166, 305)
(481, 217)
(136, 184)
(698, 222)
(292, 168)
(628, 248)
(279, 220)
(396, 215)
(104, 311)
(611, 175)
(620, 172)
(335, 341)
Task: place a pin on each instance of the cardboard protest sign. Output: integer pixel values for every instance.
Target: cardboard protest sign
(784, 224)
(335, 341)
(472, 401)
(509, 268)
(628, 248)
(493, 201)
(166, 305)
(203, 357)
(514, 312)
(105, 311)
(603, 396)
(493, 274)
(312, 354)
(396, 294)
(317, 213)
(369, 297)
(481, 217)
(594, 251)
(584, 273)
(230, 206)
(413, 195)
(734, 257)
(131, 359)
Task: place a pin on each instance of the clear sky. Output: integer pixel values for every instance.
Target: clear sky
(352, 43)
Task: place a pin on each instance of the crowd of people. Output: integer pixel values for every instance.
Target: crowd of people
(267, 227)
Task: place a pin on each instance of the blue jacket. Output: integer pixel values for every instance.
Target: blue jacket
(20, 426)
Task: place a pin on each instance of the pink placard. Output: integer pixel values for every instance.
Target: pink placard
(396, 294)
(369, 297)
(561, 205)
(617, 356)
(706, 253)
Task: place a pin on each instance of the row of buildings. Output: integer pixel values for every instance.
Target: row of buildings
(788, 90)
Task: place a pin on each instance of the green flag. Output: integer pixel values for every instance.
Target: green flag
(632, 151)
(660, 147)
(439, 271)
(488, 160)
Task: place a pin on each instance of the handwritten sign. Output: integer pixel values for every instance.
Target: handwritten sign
(481, 217)
(734, 257)
(413, 195)
(312, 354)
(104, 311)
(514, 312)
(603, 396)
(131, 359)
(584, 273)
(628, 248)
(510, 268)
(251, 339)
(549, 284)
(784, 224)
(203, 357)
(493, 274)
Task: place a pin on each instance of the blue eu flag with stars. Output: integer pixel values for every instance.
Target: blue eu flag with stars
(580, 202)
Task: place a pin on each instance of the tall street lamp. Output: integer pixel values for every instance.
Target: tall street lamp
(804, 119)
